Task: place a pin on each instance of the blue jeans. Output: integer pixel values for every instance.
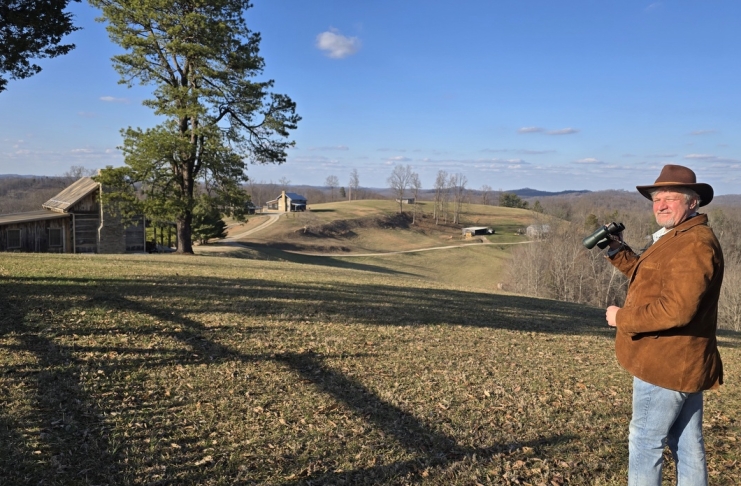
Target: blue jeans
(662, 418)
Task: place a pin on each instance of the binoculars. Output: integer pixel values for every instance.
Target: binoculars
(600, 237)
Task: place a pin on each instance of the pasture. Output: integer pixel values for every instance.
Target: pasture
(284, 369)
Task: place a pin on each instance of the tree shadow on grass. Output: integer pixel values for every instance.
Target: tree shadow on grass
(70, 422)
(272, 253)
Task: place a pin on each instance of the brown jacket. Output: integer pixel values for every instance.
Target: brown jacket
(666, 329)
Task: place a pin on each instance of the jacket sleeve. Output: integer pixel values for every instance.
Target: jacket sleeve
(624, 260)
(682, 284)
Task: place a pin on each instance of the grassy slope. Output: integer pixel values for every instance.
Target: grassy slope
(290, 231)
(207, 370)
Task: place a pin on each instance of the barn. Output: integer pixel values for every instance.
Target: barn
(73, 221)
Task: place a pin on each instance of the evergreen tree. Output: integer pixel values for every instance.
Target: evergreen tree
(31, 29)
(201, 59)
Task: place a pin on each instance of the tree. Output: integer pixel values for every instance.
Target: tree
(343, 194)
(31, 29)
(485, 194)
(207, 222)
(332, 182)
(457, 183)
(416, 185)
(537, 207)
(284, 182)
(201, 59)
(398, 181)
(511, 200)
(76, 172)
(441, 182)
(354, 184)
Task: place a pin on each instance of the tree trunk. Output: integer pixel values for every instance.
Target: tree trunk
(185, 245)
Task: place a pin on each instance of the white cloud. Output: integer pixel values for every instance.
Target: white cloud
(588, 160)
(563, 131)
(397, 159)
(701, 156)
(336, 45)
(111, 99)
(702, 132)
(530, 130)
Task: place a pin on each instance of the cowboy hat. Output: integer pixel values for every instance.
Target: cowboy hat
(673, 176)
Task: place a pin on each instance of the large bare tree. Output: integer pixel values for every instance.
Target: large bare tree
(398, 181)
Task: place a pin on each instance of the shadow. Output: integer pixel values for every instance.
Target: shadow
(322, 210)
(430, 447)
(68, 408)
(273, 253)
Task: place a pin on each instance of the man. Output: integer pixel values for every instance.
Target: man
(666, 329)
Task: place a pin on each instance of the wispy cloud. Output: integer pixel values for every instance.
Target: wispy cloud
(701, 157)
(530, 130)
(589, 161)
(334, 147)
(397, 159)
(336, 45)
(536, 152)
(662, 156)
(653, 6)
(563, 131)
(702, 132)
(113, 99)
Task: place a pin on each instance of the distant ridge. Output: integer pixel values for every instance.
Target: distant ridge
(527, 192)
(19, 176)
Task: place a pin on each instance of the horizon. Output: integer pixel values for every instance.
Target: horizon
(584, 95)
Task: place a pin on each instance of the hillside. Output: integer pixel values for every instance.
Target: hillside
(376, 226)
(165, 369)
(368, 234)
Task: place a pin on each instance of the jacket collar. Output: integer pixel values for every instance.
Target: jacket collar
(696, 220)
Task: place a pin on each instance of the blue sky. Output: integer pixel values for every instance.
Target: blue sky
(528, 93)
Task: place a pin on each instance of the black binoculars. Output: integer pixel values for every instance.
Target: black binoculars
(600, 237)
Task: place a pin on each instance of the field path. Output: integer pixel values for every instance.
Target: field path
(347, 255)
(272, 219)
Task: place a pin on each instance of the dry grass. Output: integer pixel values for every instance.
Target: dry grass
(172, 370)
(374, 226)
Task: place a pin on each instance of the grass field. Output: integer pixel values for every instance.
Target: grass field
(297, 370)
(374, 226)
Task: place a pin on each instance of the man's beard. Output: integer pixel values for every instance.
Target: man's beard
(668, 223)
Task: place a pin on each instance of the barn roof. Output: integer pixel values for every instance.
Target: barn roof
(295, 197)
(71, 195)
(30, 216)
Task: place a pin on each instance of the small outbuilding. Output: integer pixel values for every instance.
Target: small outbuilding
(477, 231)
(537, 230)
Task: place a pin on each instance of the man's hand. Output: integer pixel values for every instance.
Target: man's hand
(611, 315)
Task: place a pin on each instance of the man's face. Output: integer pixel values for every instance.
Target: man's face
(671, 208)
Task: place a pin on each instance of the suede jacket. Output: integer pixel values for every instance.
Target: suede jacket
(666, 329)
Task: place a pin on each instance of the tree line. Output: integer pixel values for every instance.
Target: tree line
(557, 266)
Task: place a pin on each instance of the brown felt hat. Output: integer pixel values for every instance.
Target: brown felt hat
(673, 176)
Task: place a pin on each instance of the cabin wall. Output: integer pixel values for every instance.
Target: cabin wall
(34, 236)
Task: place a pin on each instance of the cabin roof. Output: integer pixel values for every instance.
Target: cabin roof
(29, 216)
(71, 195)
